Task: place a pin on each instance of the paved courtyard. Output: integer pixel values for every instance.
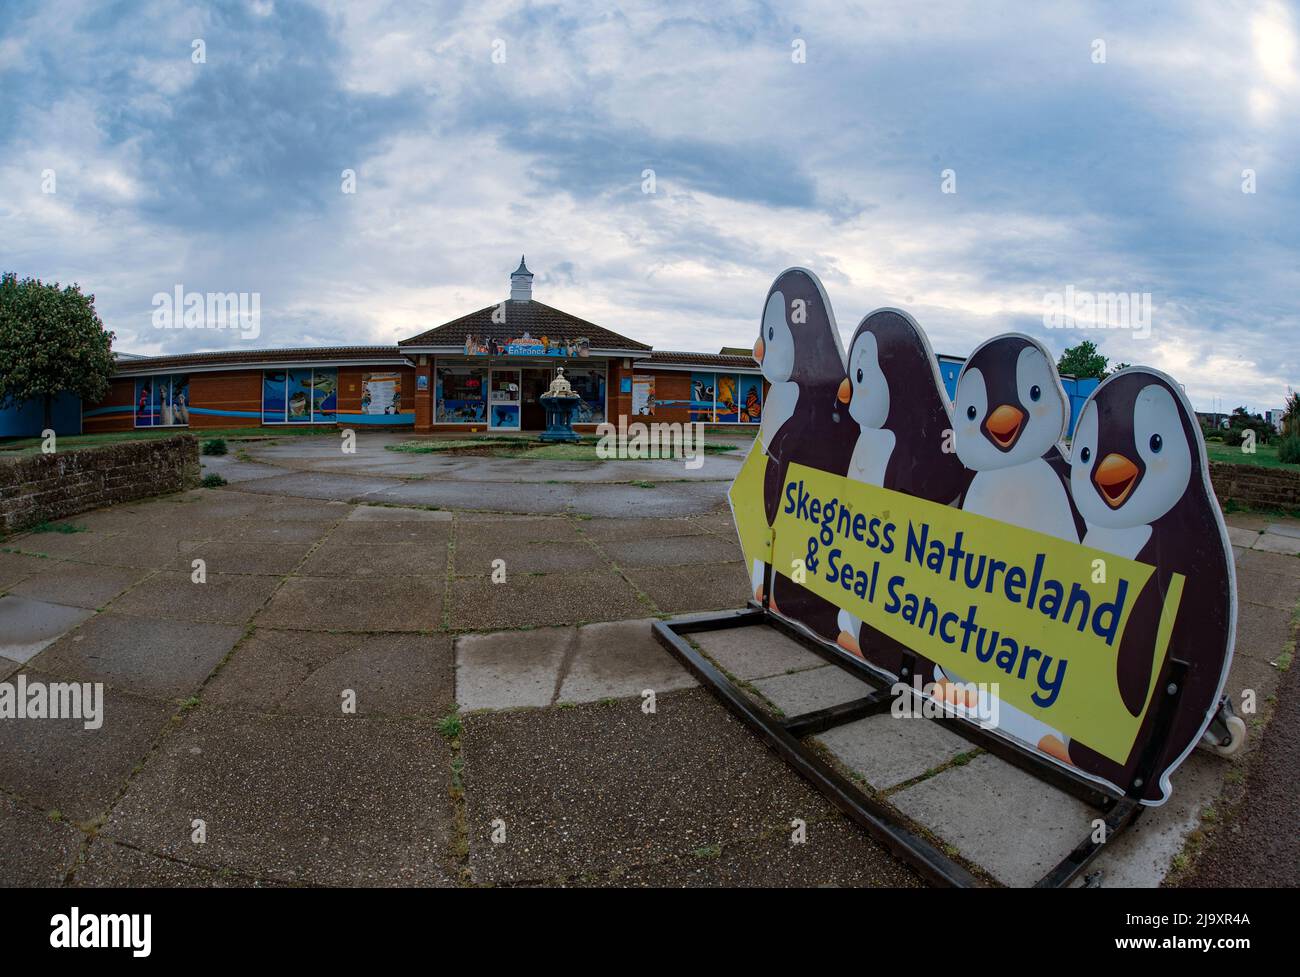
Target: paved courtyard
(427, 670)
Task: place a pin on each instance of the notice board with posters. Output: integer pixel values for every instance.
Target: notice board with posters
(1047, 592)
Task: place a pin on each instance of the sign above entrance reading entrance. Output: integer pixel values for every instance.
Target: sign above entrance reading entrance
(527, 345)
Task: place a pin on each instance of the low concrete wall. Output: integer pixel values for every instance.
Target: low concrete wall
(1256, 486)
(35, 488)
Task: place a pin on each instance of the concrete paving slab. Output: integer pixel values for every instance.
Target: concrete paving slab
(144, 655)
(59, 765)
(27, 626)
(1248, 520)
(7, 667)
(1262, 632)
(1291, 529)
(756, 652)
(79, 584)
(677, 499)
(510, 669)
(296, 799)
(1001, 818)
(677, 590)
(319, 485)
(816, 688)
(222, 556)
(59, 544)
(887, 751)
(836, 854)
(494, 496)
(235, 471)
(147, 549)
(1274, 543)
(110, 865)
(634, 528)
(1141, 855)
(604, 786)
(1242, 537)
(672, 551)
(343, 559)
(306, 674)
(16, 567)
(619, 659)
(272, 532)
(485, 529)
(1272, 562)
(377, 604)
(36, 850)
(224, 598)
(475, 559)
(1257, 586)
(386, 513)
(477, 604)
(427, 533)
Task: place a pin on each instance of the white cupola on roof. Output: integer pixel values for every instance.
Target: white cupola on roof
(521, 283)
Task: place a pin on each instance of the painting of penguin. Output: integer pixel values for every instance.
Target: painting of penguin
(1011, 414)
(804, 419)
(1140, 480)
(897, 399)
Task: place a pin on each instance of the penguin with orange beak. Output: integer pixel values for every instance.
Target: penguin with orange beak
(1011, 414)
(1140, 480)
(897, 398)
(801, 357)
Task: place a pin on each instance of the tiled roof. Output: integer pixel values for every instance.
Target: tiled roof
(666, 357)
(530, 317)
(236, 357)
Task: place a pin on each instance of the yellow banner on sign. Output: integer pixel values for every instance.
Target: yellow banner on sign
(1042, 618)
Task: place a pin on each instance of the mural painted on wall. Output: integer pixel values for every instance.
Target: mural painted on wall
(1079, 602)
(527, 345)
(727, 409)
(702, 385)
(299, 396)
(162, 401)
(643, 395)
(751, 399)
(381, 393)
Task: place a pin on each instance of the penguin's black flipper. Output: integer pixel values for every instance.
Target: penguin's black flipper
(1137, 645)
(1057, 461)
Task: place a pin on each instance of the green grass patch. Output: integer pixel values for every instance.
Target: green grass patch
(217, 446)
(449, 726)
(57, 527)
(1264, 455)
(26, 446)
(213, 481)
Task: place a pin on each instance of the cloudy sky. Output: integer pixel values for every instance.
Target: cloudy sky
(1102, 147)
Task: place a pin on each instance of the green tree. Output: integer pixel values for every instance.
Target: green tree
(51, 341)
(1082, 361)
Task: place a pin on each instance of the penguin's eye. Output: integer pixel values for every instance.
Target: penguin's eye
(1085, 454)
(1035, 392)
(971, 412)
(1157, 442)
(771, 332)
(859, 374)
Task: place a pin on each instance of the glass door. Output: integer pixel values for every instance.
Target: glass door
(504, 400)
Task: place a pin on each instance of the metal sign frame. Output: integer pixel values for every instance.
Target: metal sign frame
(786, 737)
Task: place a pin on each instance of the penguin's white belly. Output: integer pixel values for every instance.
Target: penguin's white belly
(1029, 495)
(1126, 542)
(871, 456)
(778, 407)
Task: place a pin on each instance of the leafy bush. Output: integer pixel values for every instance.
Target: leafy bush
(217, 446)
(213, 481)
(1288, 449)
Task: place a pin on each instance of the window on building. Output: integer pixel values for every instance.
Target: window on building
(505, 399)
(461, 395)
(300, 396)
(588, 382)
(162, 401)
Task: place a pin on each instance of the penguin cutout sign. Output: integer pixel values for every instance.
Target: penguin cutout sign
(1140, 479)
(799, 352)
(1053, 595)
(904, 442)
